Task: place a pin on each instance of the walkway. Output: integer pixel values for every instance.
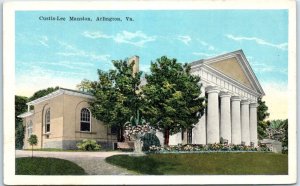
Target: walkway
(92, 162)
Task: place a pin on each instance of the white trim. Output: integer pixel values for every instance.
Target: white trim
(229, 84)
(58, 93)
(25, 114)
(47, 110)
(242, 60)
(90, 120)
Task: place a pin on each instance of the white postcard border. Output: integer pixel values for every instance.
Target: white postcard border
(9, 90)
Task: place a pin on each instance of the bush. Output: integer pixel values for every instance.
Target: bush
(150, 140)
(19, 133)
(88, 145)
(209, 147)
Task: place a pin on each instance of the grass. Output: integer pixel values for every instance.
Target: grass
(69, 150)
(205, 164)
(47, 166)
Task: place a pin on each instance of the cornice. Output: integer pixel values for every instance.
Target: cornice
(58, 93)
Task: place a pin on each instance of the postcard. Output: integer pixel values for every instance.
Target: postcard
(149, 92)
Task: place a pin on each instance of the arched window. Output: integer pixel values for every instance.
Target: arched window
(47, 120)
(85, 120)
(29, 128)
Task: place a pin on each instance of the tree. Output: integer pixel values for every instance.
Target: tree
(117, 95)
(278, 130)
(20, 107)
(262, 114)
(285, 139)
(32, 140)
(172, 97)
(85, 85)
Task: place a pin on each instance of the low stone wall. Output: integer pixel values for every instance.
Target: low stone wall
(53, 144)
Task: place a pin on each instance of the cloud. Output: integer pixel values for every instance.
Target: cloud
(137, 38)
(71, 50)
(43, 40)
(185, 39)
(276, 99)
(262, 68)
(72, 65)
(96, 35)
(145, 68)
(208, 46)
(282, 46)
(36, 78)
(208, 55)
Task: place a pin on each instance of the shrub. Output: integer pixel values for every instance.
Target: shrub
(88, 145)
(209, 147)
(150, 140)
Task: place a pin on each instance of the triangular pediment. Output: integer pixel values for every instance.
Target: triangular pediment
(233, 69)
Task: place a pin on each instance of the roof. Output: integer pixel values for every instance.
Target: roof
(61, 91)
(241, 58)
(25, 114)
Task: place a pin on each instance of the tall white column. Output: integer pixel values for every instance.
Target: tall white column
(236, 120)
(175, 139)
(225, 128)
(160, 136)
(199, 131)
(213, 115)
(253, 123)
(245, 122)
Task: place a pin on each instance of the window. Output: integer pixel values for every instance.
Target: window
(114, 129)
(47, 120)
(85, 120)
(29, 128)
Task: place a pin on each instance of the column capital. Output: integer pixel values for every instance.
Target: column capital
(224, 94)
(245, 102)
(254, 105)
(212, 89)
(235, 98)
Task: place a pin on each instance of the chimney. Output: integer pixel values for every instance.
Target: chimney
(136, 60)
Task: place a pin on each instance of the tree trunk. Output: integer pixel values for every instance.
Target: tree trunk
(120, 135)
(31, 151)
(166, 136)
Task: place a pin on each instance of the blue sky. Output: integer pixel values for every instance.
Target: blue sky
(50, 53)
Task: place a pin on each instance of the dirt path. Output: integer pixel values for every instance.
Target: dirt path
(92, 162)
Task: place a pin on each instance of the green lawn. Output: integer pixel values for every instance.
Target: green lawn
(46, 166)
(245, 163)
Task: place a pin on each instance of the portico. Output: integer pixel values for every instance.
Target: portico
(232, 90)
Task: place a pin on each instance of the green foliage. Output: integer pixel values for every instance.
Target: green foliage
(32, 140)
(278, 130)
(20, 107)
(262, 114)
(246, 163)
(117, 95)
(46, 166)
(150, 139)
(205, 148)
(42, 93)
(85, 85)
(88, 145)
(285, 139)
(172, 96)
(19, 135)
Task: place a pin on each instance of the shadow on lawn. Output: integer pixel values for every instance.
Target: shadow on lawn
(142, 165)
